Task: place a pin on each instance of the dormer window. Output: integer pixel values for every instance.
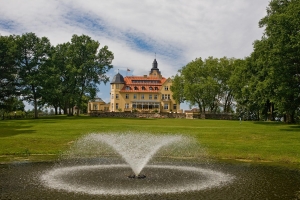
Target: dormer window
(143, 88)
(150, 88)
(136, 88)
(127, 88)
(156, 88)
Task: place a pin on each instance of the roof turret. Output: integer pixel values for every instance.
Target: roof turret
(118, 78)
(154, 67)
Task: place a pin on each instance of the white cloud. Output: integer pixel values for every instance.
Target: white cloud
(178, 31)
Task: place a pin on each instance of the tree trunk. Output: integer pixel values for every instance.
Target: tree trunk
(290, 118)
(55, 108)
(36, 114)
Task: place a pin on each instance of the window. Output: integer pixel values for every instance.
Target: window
(117, 86)
(136, 88)
(112, 96)
(117, 96)
(112, 106)
(127, 96)
(166, 88)
(156, 88)
(143, 88)
(117, 106)
(174, 106)
(112, 86)
(150, 96)
(150, 88)
(134, 105)
(142, 96)
(126, 105)
(166, 106)
(165, 96)
(134, 96)
(155, 96)
(95, 107)
(127, 88)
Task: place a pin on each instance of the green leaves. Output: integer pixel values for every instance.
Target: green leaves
(60, 76)
(205, 84)
(8, 69)
(276, 57)
(33, 53)
(88, 65)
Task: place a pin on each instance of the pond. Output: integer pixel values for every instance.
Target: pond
(164, 180)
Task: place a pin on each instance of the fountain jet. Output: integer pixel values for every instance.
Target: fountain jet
(136, 149)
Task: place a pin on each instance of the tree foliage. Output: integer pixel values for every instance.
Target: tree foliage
(62, 76)
(8, 70)
(32, 56)
(276, 58)
(264, 85)
(205, 84)
(88, 65)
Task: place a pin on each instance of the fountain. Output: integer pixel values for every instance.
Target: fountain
(105, 176)
(94, 167)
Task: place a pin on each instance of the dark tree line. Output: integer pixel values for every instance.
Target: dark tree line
(264, 85)
(61, 76)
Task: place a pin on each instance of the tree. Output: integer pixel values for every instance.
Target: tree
(225, 70)
(242, 86)
(205, 84)
(33, 54)
(8, 69)
(88, 66)
(57, 79)
(277, 58)
(177, 88)
(192, 75)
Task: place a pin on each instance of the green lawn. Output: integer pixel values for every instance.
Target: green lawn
(47, 138)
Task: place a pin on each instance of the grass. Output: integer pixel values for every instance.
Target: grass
(46, 138)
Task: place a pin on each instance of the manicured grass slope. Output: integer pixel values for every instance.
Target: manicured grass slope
(251, 141)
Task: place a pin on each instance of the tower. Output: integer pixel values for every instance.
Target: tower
(117, 84)
(154, 70)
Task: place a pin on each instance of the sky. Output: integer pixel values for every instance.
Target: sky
(175, 32)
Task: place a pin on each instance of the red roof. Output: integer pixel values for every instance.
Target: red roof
(142, 84)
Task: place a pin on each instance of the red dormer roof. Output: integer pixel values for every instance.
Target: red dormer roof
(142, 84)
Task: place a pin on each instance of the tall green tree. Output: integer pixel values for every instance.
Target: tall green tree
(224, 72)
(205, 84)
(177, 88)
(89, 65)
(57, 79)
(277, 58)
(33, 54)
(242, 87)
(8, 69)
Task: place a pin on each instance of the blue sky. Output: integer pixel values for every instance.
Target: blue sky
(177, 31)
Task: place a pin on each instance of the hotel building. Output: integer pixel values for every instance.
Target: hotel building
(149, 93)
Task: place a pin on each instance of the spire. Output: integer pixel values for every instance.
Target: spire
(118, 78)
(154, 64)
